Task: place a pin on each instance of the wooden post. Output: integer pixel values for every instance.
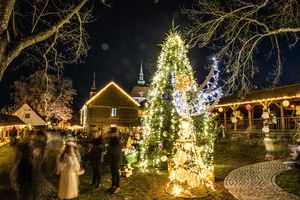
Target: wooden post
(280, 106)
(234, 108)
(282, 117)
(250, 120)
(225, 120)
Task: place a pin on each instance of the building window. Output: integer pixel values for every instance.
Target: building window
(27, 115)
(113, 112)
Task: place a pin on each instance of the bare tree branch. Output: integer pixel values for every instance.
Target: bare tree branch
(235, 29)
(6, 8)
(55, 102)
(10, 50)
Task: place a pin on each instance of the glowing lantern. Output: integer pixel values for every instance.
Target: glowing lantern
(183, 82)
(220, 109)
(297, 110)
(181, 175)
(266, 129)
(194, 180)
(180, 158)
(233, 119)
(285, 103)
(248, 107)
(164, 158)
(188, 146)
(265, 115)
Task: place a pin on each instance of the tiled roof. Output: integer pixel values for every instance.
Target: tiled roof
(139, 91)
(9, 120)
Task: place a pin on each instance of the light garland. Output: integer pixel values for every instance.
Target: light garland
(259, 101)
(116, 86)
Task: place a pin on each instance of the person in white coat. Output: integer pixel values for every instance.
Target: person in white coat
(68, 166)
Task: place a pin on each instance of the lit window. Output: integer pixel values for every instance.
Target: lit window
(27, 115)
(113, 112)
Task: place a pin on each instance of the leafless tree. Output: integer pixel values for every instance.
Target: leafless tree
(51, 96)
(236, 30)
(49, 33)
(8, 109)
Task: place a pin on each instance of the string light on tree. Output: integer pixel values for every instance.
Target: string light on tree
(160, 122)
(177, 122)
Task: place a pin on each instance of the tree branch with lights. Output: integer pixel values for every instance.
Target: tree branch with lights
(52, 97)
(236, 31)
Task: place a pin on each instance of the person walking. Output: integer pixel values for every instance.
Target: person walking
(68, 166)
(95, 156)
(114, 154)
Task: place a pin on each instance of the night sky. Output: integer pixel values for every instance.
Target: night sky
(125, 34)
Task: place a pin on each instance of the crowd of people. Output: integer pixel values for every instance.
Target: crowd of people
(28, 173)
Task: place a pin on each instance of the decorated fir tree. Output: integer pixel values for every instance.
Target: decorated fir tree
(160, 124)
(177, 125)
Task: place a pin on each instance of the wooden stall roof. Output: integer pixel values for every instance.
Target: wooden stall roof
(10, 120)
(274, 94)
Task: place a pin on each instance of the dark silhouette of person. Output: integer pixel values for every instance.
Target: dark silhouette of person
(114, 154)
(24, 174)
(13, 136)
(95, 158)
(29, 166)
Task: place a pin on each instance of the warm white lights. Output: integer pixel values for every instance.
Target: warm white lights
(175, 98)
(285, 103)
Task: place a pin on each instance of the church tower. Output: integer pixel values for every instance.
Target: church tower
(141, 81)
(140, 90)
(93, 88)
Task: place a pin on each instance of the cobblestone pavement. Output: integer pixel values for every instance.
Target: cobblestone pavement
(49, 192)
(257, 181)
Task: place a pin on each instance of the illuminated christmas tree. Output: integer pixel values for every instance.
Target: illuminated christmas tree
(177, 124)
(160, 124)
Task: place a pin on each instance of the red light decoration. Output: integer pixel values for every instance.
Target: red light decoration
(248, 107)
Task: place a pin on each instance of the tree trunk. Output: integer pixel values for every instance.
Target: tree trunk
(6, 7)
(7, 55)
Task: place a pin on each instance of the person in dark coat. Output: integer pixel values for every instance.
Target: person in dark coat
(13, 136)
(24, 173)
(30, 159)
(39, 164)
(95, 155)
(114, 154)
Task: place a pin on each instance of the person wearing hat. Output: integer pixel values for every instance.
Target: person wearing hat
(114, 154)
(68, 166)
(95, 155)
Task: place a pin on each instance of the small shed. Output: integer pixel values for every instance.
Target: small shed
(30, 116)
(6, 124)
